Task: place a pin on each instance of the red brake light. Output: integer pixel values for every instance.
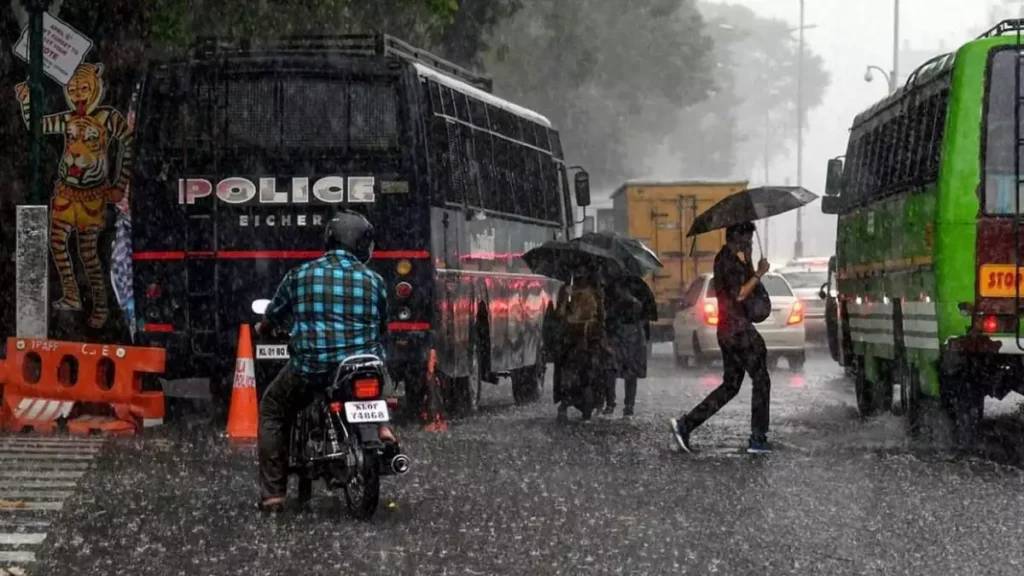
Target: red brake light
(336, 407)
(711, 313)
(796, 315)
(154, 291)
(366, 388)
(990, 324)
(403, 290)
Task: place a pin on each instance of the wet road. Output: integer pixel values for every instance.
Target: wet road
(511, 492)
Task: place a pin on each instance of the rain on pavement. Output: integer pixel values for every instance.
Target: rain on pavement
(509, 491)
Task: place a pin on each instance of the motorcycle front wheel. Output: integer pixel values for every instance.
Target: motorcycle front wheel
(362, 491)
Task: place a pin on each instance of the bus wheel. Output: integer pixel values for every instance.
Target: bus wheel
(962, 397)
(462, 395)
(527, 383)
(868, 397)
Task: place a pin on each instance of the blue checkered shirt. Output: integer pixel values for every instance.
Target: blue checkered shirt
(338, 308)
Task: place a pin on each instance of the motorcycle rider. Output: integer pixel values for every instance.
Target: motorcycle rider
(336, 307)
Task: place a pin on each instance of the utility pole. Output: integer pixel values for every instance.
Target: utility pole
(798, 245)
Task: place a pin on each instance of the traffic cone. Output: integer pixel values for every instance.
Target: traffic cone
(243, 415)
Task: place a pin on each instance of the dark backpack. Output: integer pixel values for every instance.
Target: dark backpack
(758, 305)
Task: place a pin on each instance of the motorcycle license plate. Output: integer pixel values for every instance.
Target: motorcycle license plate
(373, 411)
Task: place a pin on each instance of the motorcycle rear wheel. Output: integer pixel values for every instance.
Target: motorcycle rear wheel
(362, 491)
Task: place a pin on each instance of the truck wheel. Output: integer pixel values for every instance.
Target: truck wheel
(681, 361)
(797, 361)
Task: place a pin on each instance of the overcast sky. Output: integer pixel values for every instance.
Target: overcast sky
(849, 36)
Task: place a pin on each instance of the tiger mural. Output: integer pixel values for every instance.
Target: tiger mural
(84, 184)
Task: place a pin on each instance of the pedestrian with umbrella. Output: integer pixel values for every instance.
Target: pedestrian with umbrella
(631, 307)
(742, 302)
(579, 344)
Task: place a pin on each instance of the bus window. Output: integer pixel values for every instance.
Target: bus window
(1000, 159)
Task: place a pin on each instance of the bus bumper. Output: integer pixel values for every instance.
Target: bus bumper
(995, 362)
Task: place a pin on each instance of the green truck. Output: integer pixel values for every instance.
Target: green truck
(929, 238)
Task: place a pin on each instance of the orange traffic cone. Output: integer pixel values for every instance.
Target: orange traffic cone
(243, 415)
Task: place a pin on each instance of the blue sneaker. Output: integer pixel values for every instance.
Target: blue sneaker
(682, 434)
(759, 446)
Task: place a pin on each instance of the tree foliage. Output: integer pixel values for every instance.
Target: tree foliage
(754, 110)
(606, 72)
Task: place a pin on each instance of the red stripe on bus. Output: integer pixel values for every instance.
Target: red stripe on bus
(158, 256)
(408, 326)
(158, 328)
(408, 254)
(270, 255)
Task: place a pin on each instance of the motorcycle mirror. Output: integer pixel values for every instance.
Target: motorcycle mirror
(260, 306)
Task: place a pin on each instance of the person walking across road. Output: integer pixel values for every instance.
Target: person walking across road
(626, 337)
(743, 348)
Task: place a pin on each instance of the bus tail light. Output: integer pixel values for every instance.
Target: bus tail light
(403, 290)
(796, 315)
(404, 314)
(154, 291)
(711, 313)
(403, 267)
(990, 324)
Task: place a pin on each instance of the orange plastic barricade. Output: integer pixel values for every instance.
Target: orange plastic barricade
(82, 388)
(243, 414)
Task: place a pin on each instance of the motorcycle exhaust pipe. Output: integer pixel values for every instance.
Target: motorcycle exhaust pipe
(400, 464)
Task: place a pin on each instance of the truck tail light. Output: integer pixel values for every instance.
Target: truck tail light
(154, 291)
(403, 290)
(711, 313)
(796, 315)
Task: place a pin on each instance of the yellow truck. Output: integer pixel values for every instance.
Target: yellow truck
(659, 214)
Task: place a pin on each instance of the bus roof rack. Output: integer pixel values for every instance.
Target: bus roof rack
(1015, 25)
(366, 45)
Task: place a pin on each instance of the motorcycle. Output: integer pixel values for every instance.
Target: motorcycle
(336, 438)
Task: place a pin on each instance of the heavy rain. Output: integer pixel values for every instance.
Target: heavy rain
(511, 287)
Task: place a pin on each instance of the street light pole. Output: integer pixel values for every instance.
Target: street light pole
(894, 77)
(798, 245)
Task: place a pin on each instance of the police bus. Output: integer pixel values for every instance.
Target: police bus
(244, 152)
(929, 241)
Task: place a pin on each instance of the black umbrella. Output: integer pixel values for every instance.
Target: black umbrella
(636, 286)
(749, 205)
(630, 253)
(560, 260)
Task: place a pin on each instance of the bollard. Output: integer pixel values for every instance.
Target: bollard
(32, 271)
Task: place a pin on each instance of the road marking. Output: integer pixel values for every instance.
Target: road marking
(37, 475)
(23, 538)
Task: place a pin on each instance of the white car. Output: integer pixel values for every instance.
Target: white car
(696, 324)
(806, 283)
